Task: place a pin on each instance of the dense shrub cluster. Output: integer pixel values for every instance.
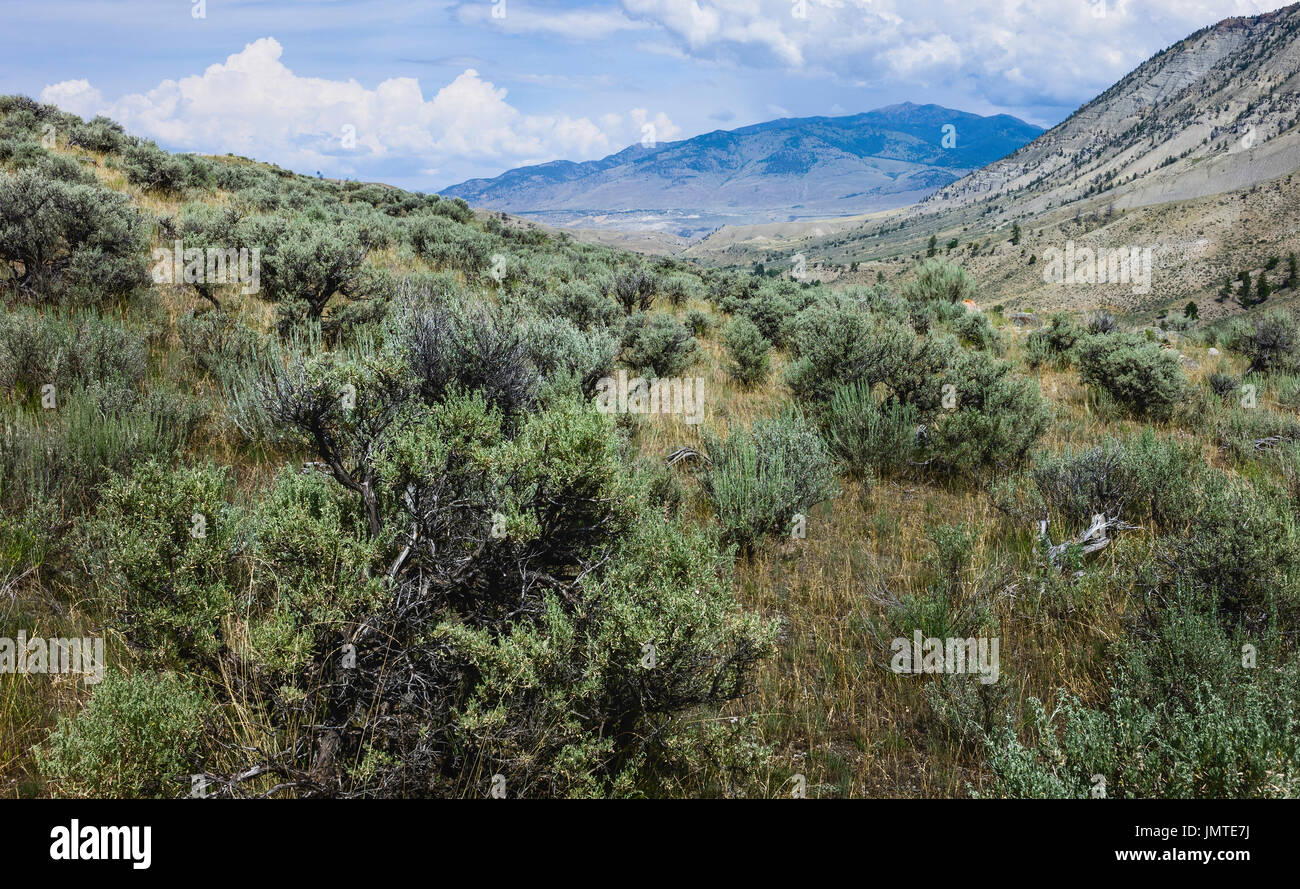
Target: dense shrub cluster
(1139, 375)
(73, 242)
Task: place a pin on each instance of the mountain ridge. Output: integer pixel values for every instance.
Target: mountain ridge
(776, 170)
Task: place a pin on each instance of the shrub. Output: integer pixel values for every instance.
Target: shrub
(1225, 731)
(1242, 546)
(749, 353)
(70, 240)
(937, 280)
(217, 342)
(869, 437)
(679, 288)
(835, 342)
(661, 345)
(761, 478)
(475, 349)
(1272, 343)
(441, 239)
(307, 263)
(552, 577)
(1138, 374)
(159, 544)
(632, 288)
(998, 418)
(1224, 385)
(582, 304)
(151, 168)
(138, 736)
(568, 357)
(1145, 478)
(771, 309)
(1101, 322)
(975, 329)
(1055, 344)
(100, 134)
(698, 322)
(316, 569)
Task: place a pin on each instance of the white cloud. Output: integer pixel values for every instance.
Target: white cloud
(1026, 51)
(253, 104)
(518, 17)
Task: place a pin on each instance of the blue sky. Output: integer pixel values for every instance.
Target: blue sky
(425, 94)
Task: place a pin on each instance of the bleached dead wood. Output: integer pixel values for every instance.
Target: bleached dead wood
(1097, 537)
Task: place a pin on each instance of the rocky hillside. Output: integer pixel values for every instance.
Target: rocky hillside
(1214, 113)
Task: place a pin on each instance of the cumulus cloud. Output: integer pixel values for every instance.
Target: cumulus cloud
(1020, 52)
(252, 103)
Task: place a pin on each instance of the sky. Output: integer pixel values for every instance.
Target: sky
(426, 94)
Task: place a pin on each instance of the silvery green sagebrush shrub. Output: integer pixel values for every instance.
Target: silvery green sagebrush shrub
(139, 735)
(474, 348)
(149, 167)
(1241, 546)
(749, 354)
(995, 420)
(568, 357)
(78, 242)
(1186, 718)
(159, 546)
(835, 342)
(698, 322)
(632, 288)
(444, 242)
(305, 263)
(660, 344)
(99, 134)
(540, 620)
(771, 308)
(871, 439)
(760, 478)
(939, 280)
(1271, 342)
(1056, 344)
(975, 329)
(581, 303)
(1143, 378)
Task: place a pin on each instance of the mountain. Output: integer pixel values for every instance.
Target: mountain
(1191, 154)
(1213, 113)
(796, 168)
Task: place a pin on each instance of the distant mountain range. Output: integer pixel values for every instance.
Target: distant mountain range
(782, 170)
